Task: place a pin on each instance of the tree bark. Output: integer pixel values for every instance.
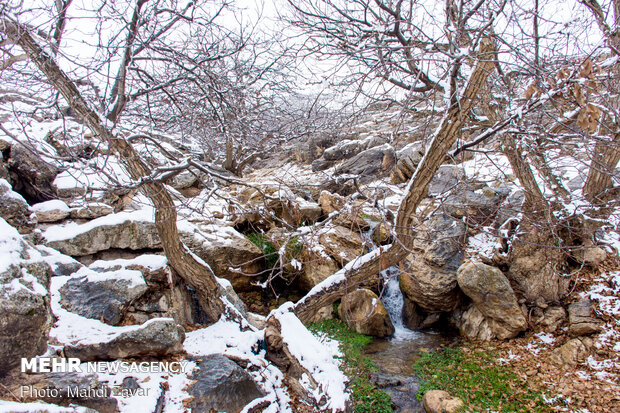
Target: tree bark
(194, 273)
(606, 157)
(368, 266)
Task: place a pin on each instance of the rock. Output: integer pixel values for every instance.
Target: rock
(472, 324)
(31, 176)
(321, 164)
(25, 316)
(75, 388)
(590, 254)
(315, 268)
(573, 352)
(439, 401)
(323, 313)
(14, 209)
(105, 296)
(445, 179)
(223, 248)
(342, 244)
(125, 230)
(157, 337)
(51, 211)
(331, 202)
(474, 200)
(183, 180)
(221, 385)
(429, 279)
(553, 318)
(372, 162)
(493, 296)
(533, 269)
(364, 312)
(408, 159)
(91, 210)
(581, 321)
(431, 288)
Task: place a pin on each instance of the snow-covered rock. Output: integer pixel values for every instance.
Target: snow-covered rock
(14, 209)
(91, 210)
(157, 337)
(25, 317)
(51, 211)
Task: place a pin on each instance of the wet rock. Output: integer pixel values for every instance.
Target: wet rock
(14, 209)
(364, 312)
(106, 299)
(581, 320)
(439, 401)
(51, 211)
(158, 337)
(25, 316)
(221, 385)
(493, 296)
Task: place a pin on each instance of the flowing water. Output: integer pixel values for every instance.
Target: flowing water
(395, 356)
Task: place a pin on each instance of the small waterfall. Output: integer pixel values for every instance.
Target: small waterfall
(392, 296)
(393, 300)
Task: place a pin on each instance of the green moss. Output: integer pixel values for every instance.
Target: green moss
(269, 251)
(476, 379)
(366, 397)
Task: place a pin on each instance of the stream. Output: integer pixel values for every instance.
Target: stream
(395, 356)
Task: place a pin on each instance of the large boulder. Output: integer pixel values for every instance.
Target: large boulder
(25, 316)
(221, 385)
(104, 296)
(31, 175)
(581, 320)
(125, 230)
(51, 211)
(14, 209)
(493, 296)
(91, 210)
(158, 337)
(364, 312)
(429, 278)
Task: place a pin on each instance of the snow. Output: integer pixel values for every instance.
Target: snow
(72, 229)
(71, 328)
(316, 357)
(150, 261)
(54, 205)
(11, 246)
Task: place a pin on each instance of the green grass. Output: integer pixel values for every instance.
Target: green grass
(269, 251)
(476, 379)
(365, 396)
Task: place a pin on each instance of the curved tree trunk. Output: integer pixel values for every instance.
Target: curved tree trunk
(368, 266)
(194, 273)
